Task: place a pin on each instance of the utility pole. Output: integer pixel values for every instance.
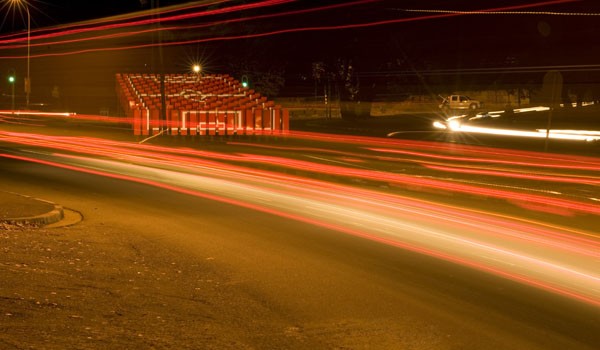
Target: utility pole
(155, 5)
(28, 78)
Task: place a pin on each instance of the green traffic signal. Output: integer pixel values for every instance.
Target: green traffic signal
(11, 79)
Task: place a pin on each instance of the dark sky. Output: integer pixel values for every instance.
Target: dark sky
(54, 12)
(425, 41)
(464, 40)
(49, 12)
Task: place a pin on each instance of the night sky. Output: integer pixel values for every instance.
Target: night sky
(54, 12)
(422, 41)
(473, 40)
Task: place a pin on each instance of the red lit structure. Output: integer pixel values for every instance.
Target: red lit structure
(198, 105)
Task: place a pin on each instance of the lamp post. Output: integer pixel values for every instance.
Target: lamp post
(27, 79)
(197, 69)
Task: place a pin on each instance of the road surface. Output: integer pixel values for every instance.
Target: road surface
(410, 258)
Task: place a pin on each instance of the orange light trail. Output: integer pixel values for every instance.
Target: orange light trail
(574, 180)
(248, 36)
(566, 164)
(171, 28)
(154, 20)
(533, 201)
(397, 146)
(541, 273)
(119, 18)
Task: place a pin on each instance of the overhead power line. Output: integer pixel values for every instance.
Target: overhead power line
(480, 12)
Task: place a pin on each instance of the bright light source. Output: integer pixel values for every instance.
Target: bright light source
(454, 124)
(196, 68)
(11, 79)
(439, 125)
(581, 135)
(532, 109)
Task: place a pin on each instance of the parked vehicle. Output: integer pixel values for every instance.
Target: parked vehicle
(459, 102)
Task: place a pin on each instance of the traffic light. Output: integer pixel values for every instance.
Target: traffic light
(245, 81)
(11, 81)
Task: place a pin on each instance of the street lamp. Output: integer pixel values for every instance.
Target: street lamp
(27, 79)
(197, 69)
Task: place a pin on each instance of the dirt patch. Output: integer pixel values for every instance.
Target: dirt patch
(67, 289)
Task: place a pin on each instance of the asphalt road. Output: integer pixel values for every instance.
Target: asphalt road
(293, 285)
(226, 276)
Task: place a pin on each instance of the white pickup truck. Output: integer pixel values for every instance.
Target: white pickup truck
(455, 102)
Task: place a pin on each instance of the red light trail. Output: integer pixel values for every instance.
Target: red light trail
(573, 180)
(162, 28)
(150, 21)
(534, 201)
(553, 258)
(242, 36)
(558, 163)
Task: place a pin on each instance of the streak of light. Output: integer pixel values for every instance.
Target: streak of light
(558, 163)
(97, 37)
(264, 34)
(572, 132)
(368, 199)
(530, 109)
(580, 136)
(482, 71)
(70, 115)
(173, 28)
(355, 157)
(407, 180)
(512, 175)
(179, 17)
(546, 13)
(361, 157)
(503, 156)
(160, 154)
(541, 203)
(525, 259)
(512, 158)
(338, 161)
(42, 114)
(20, 121)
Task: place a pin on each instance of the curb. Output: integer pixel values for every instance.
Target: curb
(51, 217)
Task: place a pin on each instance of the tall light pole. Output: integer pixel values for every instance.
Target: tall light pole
(197, 69)
(24, 3)
(27, 79)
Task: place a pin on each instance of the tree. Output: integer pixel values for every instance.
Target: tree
(319, 74)
(263, 75)
(340, 82)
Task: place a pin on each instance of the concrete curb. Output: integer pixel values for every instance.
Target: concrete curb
(51, 217)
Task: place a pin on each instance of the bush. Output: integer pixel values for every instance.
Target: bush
(352, 110)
